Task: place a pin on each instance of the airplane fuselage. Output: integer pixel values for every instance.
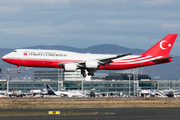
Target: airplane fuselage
(51, 58)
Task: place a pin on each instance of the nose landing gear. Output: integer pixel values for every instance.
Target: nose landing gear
(18, 71)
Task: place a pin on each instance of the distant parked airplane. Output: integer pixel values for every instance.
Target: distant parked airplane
(71, 61)
(169, 93)
(72, 93)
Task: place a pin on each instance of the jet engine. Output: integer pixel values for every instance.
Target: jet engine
(70, 67)
(91, 64)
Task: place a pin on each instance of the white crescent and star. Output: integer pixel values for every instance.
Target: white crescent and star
(164, 41)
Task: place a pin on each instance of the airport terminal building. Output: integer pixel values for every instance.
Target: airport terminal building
(100, 85)
(59, 80)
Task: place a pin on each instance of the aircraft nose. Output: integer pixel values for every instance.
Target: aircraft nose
(4, 57)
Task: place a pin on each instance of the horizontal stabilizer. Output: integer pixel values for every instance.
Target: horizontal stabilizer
(167, 58)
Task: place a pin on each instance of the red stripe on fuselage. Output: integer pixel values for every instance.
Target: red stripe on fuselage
(137, 59)
(119, 66)
(38, 62)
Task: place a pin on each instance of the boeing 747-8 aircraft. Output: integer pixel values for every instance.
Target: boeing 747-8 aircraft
(71, 61)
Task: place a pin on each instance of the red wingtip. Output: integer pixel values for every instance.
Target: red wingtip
(163, 47)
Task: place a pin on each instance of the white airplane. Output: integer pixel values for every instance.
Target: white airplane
(4, 94)
(71, 61)
(168, 93)
(72, 93)
(93, 93)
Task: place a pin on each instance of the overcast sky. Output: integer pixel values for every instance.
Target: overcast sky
(83, 23)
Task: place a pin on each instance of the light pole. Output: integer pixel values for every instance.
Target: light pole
(129, 82)
(7, 80)
(82, 86)
(58, 81)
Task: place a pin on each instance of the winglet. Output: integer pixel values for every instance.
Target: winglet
(163, 47)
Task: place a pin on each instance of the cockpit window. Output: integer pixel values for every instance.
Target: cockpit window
(15, 51)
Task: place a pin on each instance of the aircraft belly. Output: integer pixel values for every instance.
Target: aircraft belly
(120, 66)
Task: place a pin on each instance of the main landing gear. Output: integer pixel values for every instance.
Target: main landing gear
(83, 72)
(18, 71)
(90, 72)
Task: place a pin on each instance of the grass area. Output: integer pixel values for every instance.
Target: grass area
(21, 114)
(51, 103)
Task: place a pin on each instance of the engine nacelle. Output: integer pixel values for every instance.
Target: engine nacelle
(91, 64)
(70, 67)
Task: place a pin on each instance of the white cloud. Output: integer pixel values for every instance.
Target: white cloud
(87, 22)
(10, 9)
(157, 2)
(170, 25)
(20, 2)
(31, 31)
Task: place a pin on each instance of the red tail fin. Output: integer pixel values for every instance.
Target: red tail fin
(163, 47)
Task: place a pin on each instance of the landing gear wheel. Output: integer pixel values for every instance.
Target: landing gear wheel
(90, 74)
(84, 75)
(19, 71)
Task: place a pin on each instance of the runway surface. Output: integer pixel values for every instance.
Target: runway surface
(120, 113)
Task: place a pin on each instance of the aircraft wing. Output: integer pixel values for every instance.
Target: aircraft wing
(104, 61)
(177, 93)
(98, 93)
(109, 92)
(109, 60)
